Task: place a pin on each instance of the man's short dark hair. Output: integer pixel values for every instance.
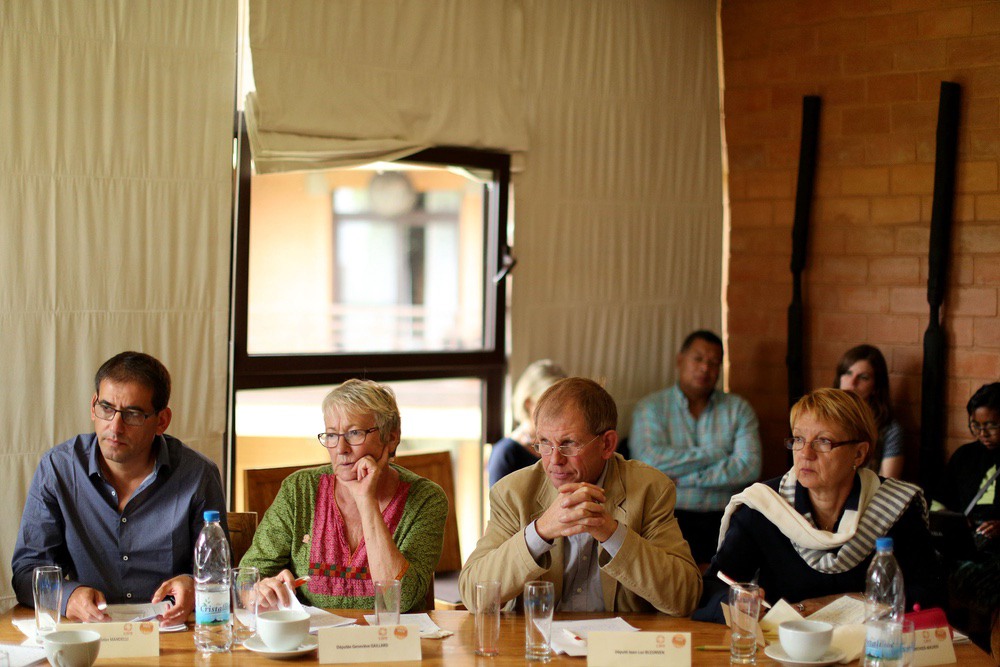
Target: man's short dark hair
(701, 334)
(987, 396)
(137, 367)
(596, 404)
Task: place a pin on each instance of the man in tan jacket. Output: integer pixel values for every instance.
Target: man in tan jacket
(601, 528)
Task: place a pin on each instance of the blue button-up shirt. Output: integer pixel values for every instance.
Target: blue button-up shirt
(710, 458)
(71, 519)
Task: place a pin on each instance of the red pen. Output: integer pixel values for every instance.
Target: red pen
(301, 580)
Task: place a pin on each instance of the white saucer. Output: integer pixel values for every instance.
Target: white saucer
(257, 645)
(775, 652)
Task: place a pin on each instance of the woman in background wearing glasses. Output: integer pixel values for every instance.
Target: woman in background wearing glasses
(970, 480)
(358, 520)
(811, 533)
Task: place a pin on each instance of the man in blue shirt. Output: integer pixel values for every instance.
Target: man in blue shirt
(119, 509)
(705, 440)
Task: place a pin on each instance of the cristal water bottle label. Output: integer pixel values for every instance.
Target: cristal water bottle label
(883, 641)
(212, 607)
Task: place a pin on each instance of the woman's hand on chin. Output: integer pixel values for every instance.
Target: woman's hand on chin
(363, 484)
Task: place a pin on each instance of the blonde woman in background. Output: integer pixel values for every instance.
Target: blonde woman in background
(515, 452)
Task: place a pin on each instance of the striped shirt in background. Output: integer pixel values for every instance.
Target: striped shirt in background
(710, 459)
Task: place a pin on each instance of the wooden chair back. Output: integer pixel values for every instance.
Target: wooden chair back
(260, 486)
(242, 526)
(436, 466)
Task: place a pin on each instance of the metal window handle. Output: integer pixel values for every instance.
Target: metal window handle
(509, 262)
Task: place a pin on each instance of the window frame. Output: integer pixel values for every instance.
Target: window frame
(293, 370)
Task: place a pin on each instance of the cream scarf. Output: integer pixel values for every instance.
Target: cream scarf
(880, 505)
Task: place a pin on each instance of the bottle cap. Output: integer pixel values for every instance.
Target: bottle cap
(211, 515)
(883, 544)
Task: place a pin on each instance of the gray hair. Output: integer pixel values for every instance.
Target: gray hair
(364, 397)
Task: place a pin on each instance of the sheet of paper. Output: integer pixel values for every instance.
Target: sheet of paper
(780, 612)
(842, 611)
(422, 621)
(640, 649)
(24, 656)
(849, 640)
(320, 618)
(121, 613)
(564, 631)
(26, 626)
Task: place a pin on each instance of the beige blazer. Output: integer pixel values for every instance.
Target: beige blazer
(652, 570)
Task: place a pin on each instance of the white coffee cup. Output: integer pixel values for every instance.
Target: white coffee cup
(72, 648)
(805, 640)
(283, 630)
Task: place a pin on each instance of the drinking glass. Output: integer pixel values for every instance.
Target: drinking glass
(47, 586)
(487, 602)
(539, 600)
(245, 580)
(387, 602)
(744, 607)
(909, 644)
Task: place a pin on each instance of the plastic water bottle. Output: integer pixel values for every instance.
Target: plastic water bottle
(885, 603)
(212, 630)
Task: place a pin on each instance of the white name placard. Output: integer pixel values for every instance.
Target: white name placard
(379, 643)
(135, 639)
(933, 646)
(638, 649)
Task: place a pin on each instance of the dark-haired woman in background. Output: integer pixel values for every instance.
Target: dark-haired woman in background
(970, 479)
(863, 370)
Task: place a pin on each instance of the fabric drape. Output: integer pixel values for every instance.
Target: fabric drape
(618, 197)
(354, 81)
(115, 207)
(619, 211)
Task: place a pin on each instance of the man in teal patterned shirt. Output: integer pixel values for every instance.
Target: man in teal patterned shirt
(704, 439)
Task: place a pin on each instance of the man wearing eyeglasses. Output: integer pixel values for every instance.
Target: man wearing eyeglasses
(599, 527)
(119, 509)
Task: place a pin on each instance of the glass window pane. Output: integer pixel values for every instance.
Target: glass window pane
(367, 260)
(277, 428)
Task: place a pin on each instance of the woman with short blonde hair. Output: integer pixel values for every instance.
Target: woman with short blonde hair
(357, 520)
(811, 532)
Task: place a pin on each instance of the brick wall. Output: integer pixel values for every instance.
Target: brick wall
(878, 65)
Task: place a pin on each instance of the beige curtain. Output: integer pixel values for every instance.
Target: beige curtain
(115, 207)
(355, 81)
(619, 229)
(619, 213)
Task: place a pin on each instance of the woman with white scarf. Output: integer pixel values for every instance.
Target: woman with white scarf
(811, 533)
